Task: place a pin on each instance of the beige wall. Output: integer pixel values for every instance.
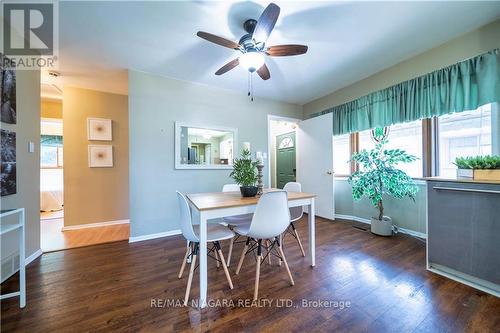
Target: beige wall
(93, 195)
(51, 109)
(469, 45)
(27, 168)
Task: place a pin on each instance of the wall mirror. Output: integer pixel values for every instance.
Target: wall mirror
(204, 147)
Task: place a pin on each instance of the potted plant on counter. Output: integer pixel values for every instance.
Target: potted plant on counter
(478, 167)
(245, 173)
(379, 177)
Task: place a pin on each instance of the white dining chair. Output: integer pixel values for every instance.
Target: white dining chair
(296, 214)
(215, 233)
(270, 219)
(233, 221)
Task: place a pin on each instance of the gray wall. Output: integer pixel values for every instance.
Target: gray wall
(28, 166)
(155, 103)
(404, 213)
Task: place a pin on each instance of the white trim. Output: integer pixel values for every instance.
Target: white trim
(94, 225)
(466, 279)
(154, 236)
(367, 221)
(32, 257)
(270, 118)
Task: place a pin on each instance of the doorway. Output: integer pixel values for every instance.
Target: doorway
(282, 154)
(286, 170)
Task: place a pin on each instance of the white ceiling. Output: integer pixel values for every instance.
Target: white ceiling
(347, 41)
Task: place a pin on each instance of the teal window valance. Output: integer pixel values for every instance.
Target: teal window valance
(464, 86)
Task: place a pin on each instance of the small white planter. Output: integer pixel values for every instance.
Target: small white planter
(381, 228)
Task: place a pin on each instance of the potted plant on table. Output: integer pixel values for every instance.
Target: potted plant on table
(378, 178)
(478, 167)
(245, 173)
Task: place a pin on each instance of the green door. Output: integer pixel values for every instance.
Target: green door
(285, 159)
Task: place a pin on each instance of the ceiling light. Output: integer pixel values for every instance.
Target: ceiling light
(252, 61)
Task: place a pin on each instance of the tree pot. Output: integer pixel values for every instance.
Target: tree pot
(248, 191)
(381, 227)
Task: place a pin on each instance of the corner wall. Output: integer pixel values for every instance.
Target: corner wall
(27, 168)
(94, 195)
(51, 109)
(155, 103)
(405, 213)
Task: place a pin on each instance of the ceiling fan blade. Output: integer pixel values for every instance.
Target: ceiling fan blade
(266, 23)
(218, 40)
(227, 67)
(264, 72)
(286, 50)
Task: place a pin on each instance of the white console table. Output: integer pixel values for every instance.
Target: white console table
(5, 228)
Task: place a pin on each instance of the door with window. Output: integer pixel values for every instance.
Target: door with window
(285, 159)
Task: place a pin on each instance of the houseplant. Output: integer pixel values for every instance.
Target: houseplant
(478, 167)
(245, 173)
(378, 178)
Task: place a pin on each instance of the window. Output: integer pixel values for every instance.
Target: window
(463, 134)
(51, 151)
(406, 136)
(468, 133)
(341, 155)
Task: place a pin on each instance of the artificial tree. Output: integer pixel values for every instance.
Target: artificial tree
(378, 175)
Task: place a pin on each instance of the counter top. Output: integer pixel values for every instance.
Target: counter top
(463, 180)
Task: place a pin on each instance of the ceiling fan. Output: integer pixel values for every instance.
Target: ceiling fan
(253, 44)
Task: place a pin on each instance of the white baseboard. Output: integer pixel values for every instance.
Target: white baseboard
(154, 236)
(94, 225)
(32, 257)
(367, 221)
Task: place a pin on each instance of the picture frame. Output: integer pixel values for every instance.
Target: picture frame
(100, 156)
(99, 129)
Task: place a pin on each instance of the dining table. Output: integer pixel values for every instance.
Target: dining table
(216, 205)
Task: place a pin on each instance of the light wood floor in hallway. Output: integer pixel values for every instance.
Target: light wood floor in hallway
(54, 239)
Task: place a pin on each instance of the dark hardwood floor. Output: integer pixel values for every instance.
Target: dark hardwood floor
(381, 282)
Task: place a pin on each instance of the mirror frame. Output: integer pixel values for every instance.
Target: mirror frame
(177, 150)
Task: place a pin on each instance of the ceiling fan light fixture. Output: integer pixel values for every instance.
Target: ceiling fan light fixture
(252, 60)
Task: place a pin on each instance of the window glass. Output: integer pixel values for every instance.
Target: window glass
(341, 155)
(463, 134)
(48, 156)
(406, 136)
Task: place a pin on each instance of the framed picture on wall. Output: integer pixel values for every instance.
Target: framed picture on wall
(100, 156)
(99, 129)
(7, 92)
(8, 163)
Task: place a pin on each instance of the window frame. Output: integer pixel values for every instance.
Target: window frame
(58, 158)
(430, 145)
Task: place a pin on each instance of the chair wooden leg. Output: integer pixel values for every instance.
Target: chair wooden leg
(268, 252)
(257, 271)
(230, 252)
(216, 258)
(282, 254)
(184, 260)
(245, 249)
(280, 242)
(191, 273)
(224, 266)
(298, 240)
